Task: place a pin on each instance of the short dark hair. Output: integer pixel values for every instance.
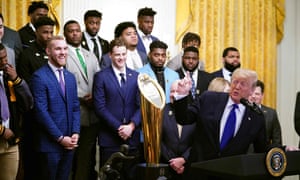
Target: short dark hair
(226, 50)
(191, 49)
(69, 22)
(36, 5)
(2, 47)
(189, 36)
(158, 44)
(42, 21)
(92, 13)
(122, 26)
(260, 84)
(116, 42)
(1, 16)
(146, 12)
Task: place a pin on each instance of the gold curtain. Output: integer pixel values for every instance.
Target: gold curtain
(253, 26)
(15, 12)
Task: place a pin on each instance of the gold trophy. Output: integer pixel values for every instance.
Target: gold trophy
(153, 100)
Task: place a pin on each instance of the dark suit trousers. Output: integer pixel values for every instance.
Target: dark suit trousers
(54, 165)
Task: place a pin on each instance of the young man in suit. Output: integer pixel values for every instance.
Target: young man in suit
(117, 103)
(84, 65)
(15, 99)
(272, 123)
(145, 19)
(57, 114)
(189, 39)
(36, 10)
(190, 63)
(214, 112)
(135, 58)
(91, 41)
(176, 141)
(155, 68)
(11, 38)
(231, 61)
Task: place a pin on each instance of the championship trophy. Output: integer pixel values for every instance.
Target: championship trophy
(153, 100)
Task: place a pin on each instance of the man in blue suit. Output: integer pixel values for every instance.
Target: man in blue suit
(117, 103)
(156, 70)
(145, 20)
(211, 111)
(57, 113)
(135, 58)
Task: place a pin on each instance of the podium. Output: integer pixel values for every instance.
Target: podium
(245, 167)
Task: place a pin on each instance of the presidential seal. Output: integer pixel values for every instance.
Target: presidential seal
(276, 162)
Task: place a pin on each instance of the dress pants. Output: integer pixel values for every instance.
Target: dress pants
(9, 160)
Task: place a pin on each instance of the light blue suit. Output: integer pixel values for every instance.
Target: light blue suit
(169, 74)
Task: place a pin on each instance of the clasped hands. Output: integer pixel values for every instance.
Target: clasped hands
(70, 143)
(126, 130)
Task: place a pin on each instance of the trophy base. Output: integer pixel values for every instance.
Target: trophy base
(148, 171)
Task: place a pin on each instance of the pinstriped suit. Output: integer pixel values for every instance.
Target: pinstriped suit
(55, 115)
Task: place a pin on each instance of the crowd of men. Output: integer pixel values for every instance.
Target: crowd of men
(61, 96)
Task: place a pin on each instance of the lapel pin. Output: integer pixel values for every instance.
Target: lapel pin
(83, 43)
(249, 118)
(37, 54)
(170, 113)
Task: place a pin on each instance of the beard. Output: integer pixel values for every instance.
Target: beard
(188, 69)
(231, 67)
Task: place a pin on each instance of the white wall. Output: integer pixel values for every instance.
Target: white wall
(116, 11)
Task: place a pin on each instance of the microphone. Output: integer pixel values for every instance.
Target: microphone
(252, 106)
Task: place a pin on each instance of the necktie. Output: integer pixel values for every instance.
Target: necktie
(96, 48)
(61, 81)
(193, 89)
(122, 80)
(4, 103)
(81, 60)
(229, 128)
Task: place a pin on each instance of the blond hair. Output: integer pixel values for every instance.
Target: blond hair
(218, 84)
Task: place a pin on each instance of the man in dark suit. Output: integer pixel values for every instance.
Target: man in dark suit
(190, 63)
(176, 141)
(225, 127)
(90, 40)
(145, 19)
(231, 61)
(33, 57)
(36, 10)
(15, 98)
(11, 39)
(272, 123)
(57, 114)
(117, 103)
(135, 58)
(84, 65)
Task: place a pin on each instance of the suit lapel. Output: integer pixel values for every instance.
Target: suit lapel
(75, 59)
(115, 81)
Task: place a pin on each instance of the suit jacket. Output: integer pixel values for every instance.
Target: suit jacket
(30, 60)
(22, 103)
(103, 43)
(116, 107)
(207, 111)
(169, 74)
(55, 114)
(106, 61)
(297, 115)
(84, 82)
(203, 80)
(272, 125)
(218, 73)
(27, 35)
(12, 39)
(10, 55)
(140, 46)
(172, 145)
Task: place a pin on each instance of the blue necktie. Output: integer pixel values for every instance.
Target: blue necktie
(193, 89)
(229, 128)
(122, 80)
